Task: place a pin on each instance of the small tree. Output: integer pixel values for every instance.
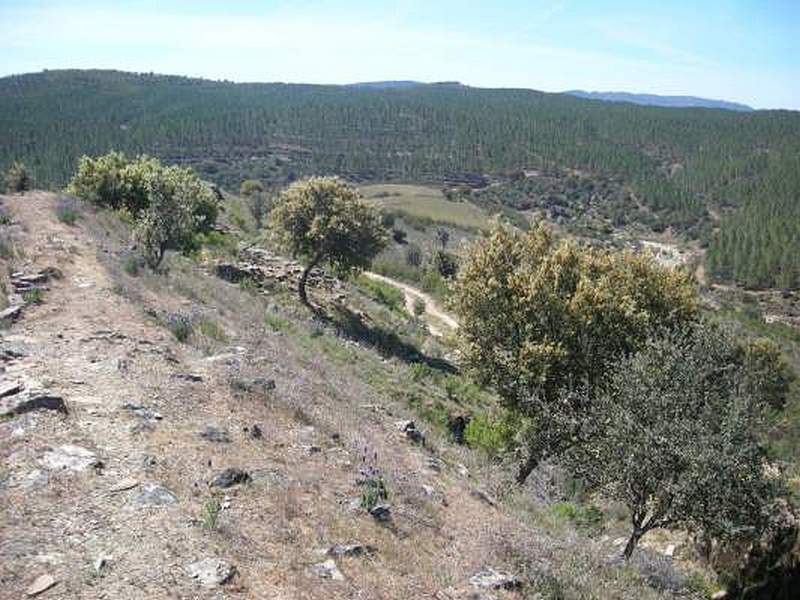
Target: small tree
(537, 315)
(254, 194)
(442, 236)
(675, 436)
(167, 223)
(322, 219)
(18, 179)
(445, 264)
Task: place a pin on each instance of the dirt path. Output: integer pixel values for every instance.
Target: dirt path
(412, 294)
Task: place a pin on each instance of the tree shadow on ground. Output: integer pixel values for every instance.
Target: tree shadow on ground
(351, 325)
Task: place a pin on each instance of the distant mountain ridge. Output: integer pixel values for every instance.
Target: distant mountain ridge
(663, 101)
(399, 85)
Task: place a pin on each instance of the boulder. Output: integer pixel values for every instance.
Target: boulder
(21, 404)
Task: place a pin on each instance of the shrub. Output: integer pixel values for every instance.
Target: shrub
(445, 264)
(413, 255)
(211, 511)
(180, 326)
(131, 265)
(399, 236)
(492, 435)
(34, 296)
(5, 216)
(373, 491)
(18, 179)
(322, 219)
(211, 329)
(67, 211)
(419, 307)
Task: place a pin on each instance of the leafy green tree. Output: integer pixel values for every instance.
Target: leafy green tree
(676, 436)
(18, 179)
(168, 222)
(538, 315)
(323, 219)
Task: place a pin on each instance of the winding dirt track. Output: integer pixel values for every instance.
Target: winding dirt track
(411, 293)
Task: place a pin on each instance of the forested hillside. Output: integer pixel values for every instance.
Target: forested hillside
(693, 169)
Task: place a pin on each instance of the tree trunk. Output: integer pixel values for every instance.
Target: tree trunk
(636, 535)
(526, 468)
(301, 286)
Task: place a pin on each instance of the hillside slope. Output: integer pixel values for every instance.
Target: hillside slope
(113, 496)
(659, 100)
(694, 170)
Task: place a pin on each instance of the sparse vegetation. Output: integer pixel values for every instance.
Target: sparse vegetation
(67, 211)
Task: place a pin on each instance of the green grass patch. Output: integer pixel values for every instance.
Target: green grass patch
(211, 329)
(420, 206)
(384, 293)
(276, 322)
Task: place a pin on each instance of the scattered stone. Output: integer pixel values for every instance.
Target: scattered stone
(70, 457)
(462, 470)
(121, 486)
(41, 584)
(32, 480)
(194, 378)
(484, 497)
(100, 564)
(218, 436)
(230, 477)
(155, 495)
(492, 579)
(256, 433)
(142, 411)
(411, 431)
(11, 313)
(10, 388)
(18, 405)
(211, 572)
(381, 512)
(719, 595)
(355, 549)
(328, 570)
(428, 490)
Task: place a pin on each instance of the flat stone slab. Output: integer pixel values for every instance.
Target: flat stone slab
(69, 457)
(41, 584)
(24, 403)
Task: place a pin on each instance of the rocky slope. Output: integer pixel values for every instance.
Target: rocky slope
(239, 468)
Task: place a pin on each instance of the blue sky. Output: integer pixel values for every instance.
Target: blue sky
(740, 50)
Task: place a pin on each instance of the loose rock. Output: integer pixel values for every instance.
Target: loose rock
(492, 579)
(70, 457)
(155, 495)
(212, 434)
(211, 572)
(42, 584)
(381, 512)
(355, 549)
(230, 477)
(328, 570)
(18, 405)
